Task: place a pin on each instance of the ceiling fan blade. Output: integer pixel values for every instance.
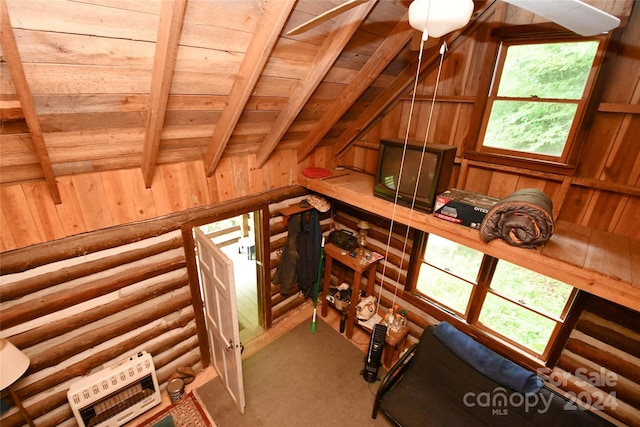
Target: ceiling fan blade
(325, 16)
(574, 15)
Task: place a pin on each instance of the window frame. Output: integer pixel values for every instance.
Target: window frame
(560, 164)
(470, 318)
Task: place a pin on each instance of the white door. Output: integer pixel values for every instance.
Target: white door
(219, 290)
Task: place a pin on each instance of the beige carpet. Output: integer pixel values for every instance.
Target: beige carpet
(300, 379)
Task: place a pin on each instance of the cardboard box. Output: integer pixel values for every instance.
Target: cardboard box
(463, 207)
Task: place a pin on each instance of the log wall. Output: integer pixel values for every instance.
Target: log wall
(77, 304)
(75, 316)
(391, 274)
(600, 361)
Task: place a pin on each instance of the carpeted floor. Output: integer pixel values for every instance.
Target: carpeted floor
(300, 379)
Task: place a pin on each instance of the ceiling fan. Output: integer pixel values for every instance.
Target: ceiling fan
(434, 18)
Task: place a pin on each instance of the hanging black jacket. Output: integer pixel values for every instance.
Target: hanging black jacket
(309, 242)
(301, 254)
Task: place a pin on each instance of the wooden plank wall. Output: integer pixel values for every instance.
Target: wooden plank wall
(96, 200)
(604, 191)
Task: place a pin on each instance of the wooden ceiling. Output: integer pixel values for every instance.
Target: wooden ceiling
(97, 85)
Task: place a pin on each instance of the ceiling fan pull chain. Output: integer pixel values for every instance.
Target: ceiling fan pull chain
(443, 48)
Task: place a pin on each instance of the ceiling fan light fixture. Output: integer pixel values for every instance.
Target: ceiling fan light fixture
(435, 18)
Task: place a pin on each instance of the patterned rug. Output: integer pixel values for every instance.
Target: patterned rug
(188, 412)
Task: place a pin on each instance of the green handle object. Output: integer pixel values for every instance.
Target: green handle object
(317, 289)
(313, 322)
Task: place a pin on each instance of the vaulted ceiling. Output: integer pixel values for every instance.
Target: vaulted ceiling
(95, 85)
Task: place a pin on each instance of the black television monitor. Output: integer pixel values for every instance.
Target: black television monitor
(437, 166)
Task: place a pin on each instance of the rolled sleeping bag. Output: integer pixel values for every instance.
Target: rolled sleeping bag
(523, 218)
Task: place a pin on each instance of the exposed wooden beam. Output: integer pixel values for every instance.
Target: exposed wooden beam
(323, 17)
(379, 105)
(406, 77)
(344, 29)
(169, 29)
(264, 39)
(385, 53)
(14, 63)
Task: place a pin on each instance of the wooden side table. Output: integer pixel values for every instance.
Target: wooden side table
(359, 265)
(394, 342)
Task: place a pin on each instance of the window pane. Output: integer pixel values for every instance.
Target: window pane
(532, 127)
(517, 323)
(551, 70)
(456, 259)
(534, 290)
(444, 288)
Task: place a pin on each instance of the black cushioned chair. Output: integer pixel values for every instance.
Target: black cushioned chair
(431, 386)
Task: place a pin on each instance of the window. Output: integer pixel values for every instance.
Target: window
(448, 274)
(537, 98)
(525, 307)
(520, 307)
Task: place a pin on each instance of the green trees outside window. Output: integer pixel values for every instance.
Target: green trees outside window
(522, 307)
(538, 90)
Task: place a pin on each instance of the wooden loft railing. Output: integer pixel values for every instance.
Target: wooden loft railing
(597, 262)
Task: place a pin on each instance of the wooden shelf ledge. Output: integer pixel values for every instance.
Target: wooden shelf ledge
(597, 262)
(292, 210)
